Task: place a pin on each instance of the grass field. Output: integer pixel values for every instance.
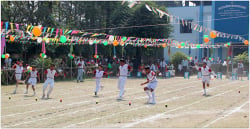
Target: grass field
(227, 105)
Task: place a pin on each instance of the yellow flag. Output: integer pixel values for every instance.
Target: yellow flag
(66, 31)
(11, 25)
(28, 28)
(48, 29)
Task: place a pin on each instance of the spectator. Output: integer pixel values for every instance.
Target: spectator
(162, 67)
(196, 60)
(240, 69)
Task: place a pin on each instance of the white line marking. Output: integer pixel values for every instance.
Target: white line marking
(171, 99)
(161, 114)
(228, 114)
(73, 103)
(70, 113)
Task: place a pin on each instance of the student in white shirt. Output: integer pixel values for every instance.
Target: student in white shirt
(50, 73)
(240, 69)
(18, 74)
(163, 67)
(196, 60)
(98, 76)
(152, 84)
(32, 80)
(206, 73)
(124, 71)
(81, 66)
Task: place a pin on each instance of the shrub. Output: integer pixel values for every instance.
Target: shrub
(38, 62)
(177, 58)
(245, 60)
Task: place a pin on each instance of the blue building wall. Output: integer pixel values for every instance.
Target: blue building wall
(231, 17)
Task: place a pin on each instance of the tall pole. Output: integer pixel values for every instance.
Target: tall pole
(232, 57)
(71, 69)
(201, 24)
(42, 69)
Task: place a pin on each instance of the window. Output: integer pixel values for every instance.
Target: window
(186, 28)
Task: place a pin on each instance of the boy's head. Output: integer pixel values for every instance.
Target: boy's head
(20, 63)
(122, 61)
(204, 64)
(52, 66)
(147, 69)
(33, 67)
(100, 67)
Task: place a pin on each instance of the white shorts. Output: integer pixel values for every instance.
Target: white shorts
(121, 82)
(152, 85)
(206, 79)
(18, 76)
(49, 82)
(32, 81)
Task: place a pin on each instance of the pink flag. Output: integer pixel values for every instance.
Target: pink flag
(17, 26)
(43, 47)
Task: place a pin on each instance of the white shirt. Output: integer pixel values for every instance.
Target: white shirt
(152, 67)
(123, 70)
(196, 60)
(240, 65)
(19, 69)
(163, 64)
(98, 73)
(51, 74)
(80, 64)
(205, 71)
(151, 77)
(208, 63)
(33, 74)
(185, 63)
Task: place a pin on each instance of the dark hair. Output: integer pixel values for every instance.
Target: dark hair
(52, 65)
(204, 62)
(100, 66)
(147, 67)
(122, 60)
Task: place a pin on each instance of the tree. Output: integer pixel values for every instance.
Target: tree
(177, 58)
(86, 15)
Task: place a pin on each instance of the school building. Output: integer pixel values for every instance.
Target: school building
(230, 17)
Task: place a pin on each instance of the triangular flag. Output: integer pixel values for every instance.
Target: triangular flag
(28, 28)
(11, 26)
(48, 29)
(149, 9)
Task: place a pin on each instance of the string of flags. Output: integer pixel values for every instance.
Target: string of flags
(192, 24)
(52, 36)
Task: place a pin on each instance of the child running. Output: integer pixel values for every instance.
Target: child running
(51, 73)
(98, 75)
(32, 80)
(206, 73)
(152, 84)
(18, 74)
(123, 73)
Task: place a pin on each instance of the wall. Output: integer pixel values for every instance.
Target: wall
(188, 13)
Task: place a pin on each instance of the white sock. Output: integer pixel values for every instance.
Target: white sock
(147, 92)
(205, 91)
(153, 96)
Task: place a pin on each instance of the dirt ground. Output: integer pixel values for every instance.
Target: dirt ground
(227, 105)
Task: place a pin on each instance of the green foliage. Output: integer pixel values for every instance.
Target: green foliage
(241, 57)
(39, 62)
(177, 58)
(87, 16)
